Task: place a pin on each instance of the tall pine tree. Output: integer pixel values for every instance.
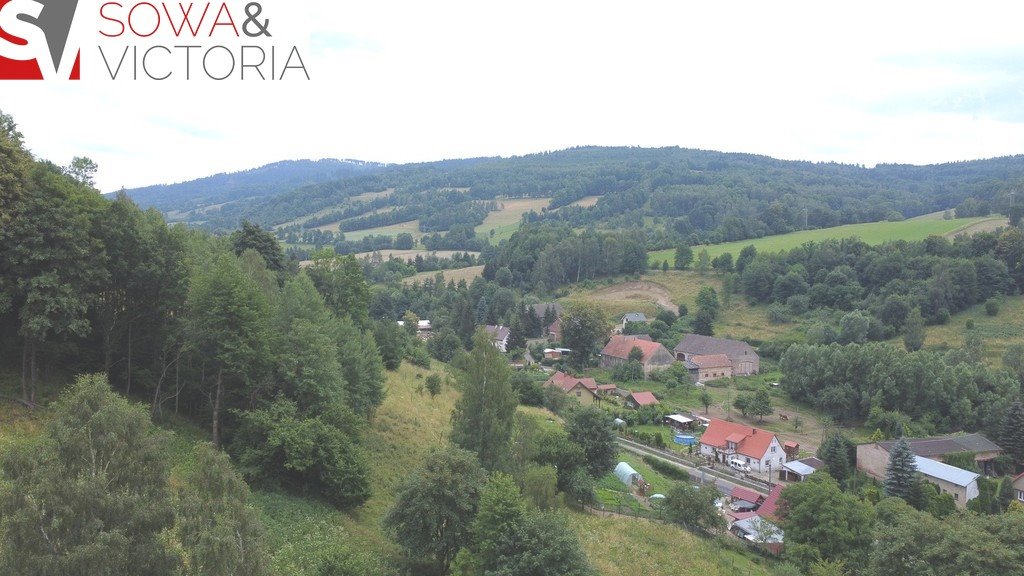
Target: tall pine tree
(1011, 433)
(901, 475)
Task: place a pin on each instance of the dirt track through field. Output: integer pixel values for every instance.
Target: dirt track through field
(643, 290)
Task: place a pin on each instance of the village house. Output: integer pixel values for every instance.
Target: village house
(655, 356)
(937, 448)
(1018, 487)
(712, 367)
(584, 390)
(637, 400)
(554, 331)
(632, 317)
(759, 449)
(873, 460)
(741, 355)
(499, 336)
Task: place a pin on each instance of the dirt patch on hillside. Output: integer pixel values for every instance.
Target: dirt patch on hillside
(643, 290)
(984, 226)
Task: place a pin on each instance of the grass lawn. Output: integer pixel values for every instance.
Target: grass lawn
(627, 547)
(872, 233)
(505, 221)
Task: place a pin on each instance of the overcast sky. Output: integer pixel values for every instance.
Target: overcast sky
(417, 80)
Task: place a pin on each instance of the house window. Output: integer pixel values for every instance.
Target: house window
(579, 394)
(956, 496)
(1020, 495)
(773, 448)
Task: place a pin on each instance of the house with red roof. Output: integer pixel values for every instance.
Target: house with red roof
(760, 449)
(641, 399)
(712, 367)
(654, 355)
(584, 390)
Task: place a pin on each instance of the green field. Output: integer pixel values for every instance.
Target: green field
(411, 227)
(872, 233)
(505, 221)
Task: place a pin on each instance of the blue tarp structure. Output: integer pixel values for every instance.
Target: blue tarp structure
(685, 440)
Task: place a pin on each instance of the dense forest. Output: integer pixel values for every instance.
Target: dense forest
(673, 195)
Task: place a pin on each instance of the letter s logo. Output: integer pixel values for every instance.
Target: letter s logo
(14, 26)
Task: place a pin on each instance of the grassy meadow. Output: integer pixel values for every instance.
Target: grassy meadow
(872, 233)
(505, 221)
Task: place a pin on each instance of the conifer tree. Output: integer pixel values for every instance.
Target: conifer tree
(1011, 433)
(901, 474)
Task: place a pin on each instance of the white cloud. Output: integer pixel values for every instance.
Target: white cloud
(402, 81)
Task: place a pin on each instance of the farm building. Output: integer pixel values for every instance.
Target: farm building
(938, 447)
(679, 422)
(641, 399)
(760, 449)
(654, 355)
(760, 533)
(873, 460)
(799, 470)
(712, 367)
(741, 355)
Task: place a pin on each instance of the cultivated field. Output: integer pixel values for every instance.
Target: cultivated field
(467, 274)
(872, 233)
(505, 221)
(411, 227)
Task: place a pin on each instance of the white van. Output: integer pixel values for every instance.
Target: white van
(737, 464)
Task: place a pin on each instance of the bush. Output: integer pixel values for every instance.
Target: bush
(418, 356)
(969, 324)
(667, 470)
(992, 307)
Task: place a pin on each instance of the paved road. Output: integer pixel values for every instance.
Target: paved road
(723, 480)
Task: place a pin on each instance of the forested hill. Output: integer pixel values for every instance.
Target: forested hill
(696, 195)
(187, 200)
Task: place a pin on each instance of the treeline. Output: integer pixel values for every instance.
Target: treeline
(693, 196)
(924, 391)
(281, 366)
(541, 257)
(880, 287)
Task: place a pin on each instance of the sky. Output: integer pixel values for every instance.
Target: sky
(409, 81)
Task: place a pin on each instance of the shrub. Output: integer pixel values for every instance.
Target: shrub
(418, 356)
(992, 307)
(969, 324)
(667, 470)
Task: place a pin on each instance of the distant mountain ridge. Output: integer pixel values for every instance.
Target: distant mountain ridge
(671, 194)
(181, 200)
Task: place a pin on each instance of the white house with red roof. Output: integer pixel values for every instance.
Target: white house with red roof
(760, 449)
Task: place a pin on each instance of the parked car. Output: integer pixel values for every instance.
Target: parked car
(737, 464)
